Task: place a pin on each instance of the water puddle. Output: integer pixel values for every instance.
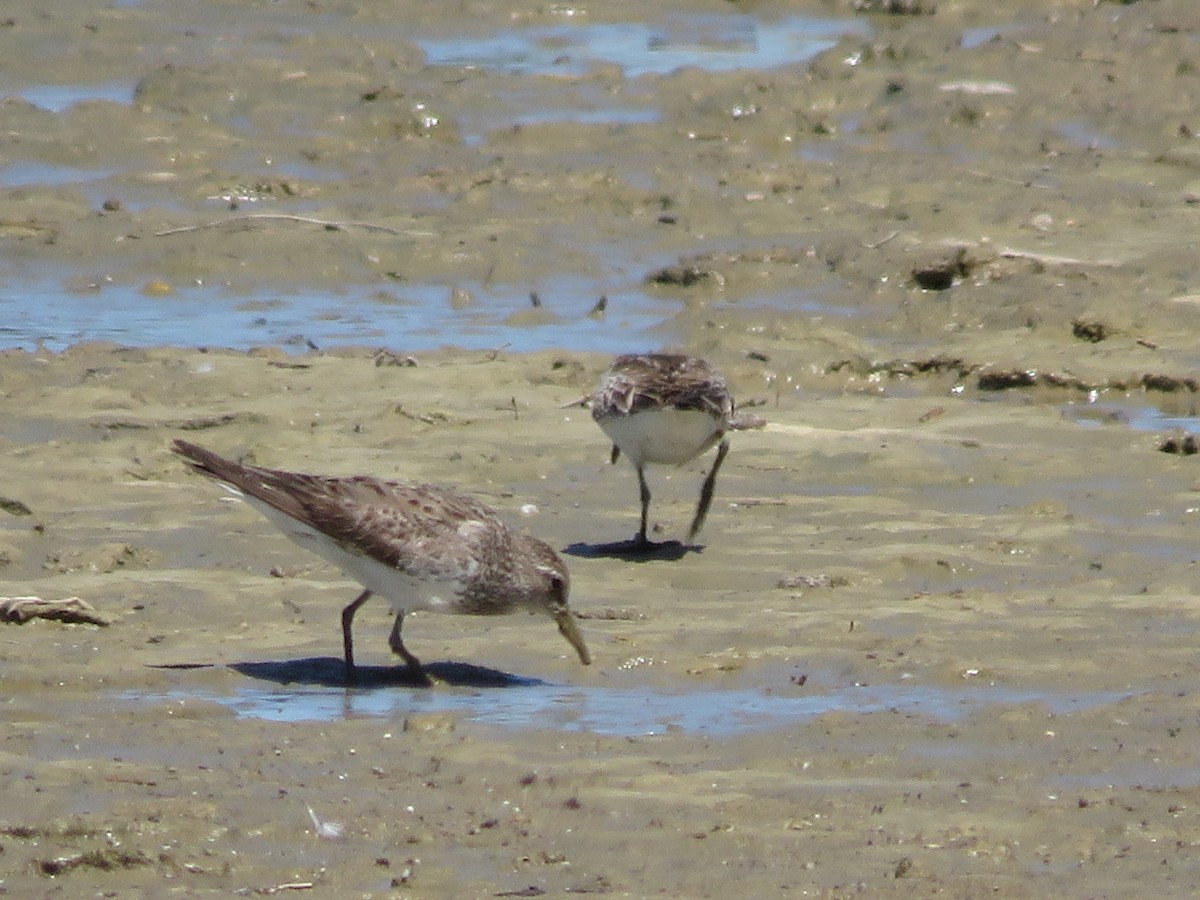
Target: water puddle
(713, 43)
(614, 116)
(1151, 418)
(27, 174)
(1084, 135)
(576, 104)
(58, 97)
(1140, 416)
(628, 711)
(973, 38)
(410, 318)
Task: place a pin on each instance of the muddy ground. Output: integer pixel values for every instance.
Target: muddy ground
(981, 309)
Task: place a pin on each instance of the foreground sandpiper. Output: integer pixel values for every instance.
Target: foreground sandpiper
(420, 546)
(666, 408)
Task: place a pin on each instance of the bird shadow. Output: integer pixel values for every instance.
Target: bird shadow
(329, 671)
(633, 550)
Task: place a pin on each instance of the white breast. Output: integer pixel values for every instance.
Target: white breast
(662, 435)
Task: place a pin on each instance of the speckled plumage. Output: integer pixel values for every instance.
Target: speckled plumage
(665, 408)
(421, 546)
(639, 382)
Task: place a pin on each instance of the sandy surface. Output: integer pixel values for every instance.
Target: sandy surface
(955, 541)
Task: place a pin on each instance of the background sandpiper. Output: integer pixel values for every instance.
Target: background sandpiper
(420, 546)
(666, 408)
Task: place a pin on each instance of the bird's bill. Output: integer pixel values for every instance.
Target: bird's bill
(568, 629)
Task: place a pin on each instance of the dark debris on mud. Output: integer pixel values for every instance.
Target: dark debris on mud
(1182, 444)
(988, 378)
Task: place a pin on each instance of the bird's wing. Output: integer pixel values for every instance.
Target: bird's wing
(636, 383)
(425, 530)
(421, 529)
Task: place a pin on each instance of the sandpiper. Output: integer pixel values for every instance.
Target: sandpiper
(420, 546)
(666, 408)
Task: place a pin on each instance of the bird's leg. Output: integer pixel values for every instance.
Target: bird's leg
(644, 491)
(615, 455)
(397, 645)
(347, 638)
(706, 492)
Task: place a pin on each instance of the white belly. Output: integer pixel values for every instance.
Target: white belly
(672, 436)
(404, 592)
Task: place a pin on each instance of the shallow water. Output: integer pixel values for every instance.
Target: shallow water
(526, 703)
(58, 97)
(24, 174)
(412, 317)
(1136, 415)
(713, 43)
(40, 307)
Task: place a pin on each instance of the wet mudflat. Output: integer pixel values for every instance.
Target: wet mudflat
(940, 634)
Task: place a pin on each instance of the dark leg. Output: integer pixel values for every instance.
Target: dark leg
(616, 454)
(644, 492)
(347, 638)
(397, 645)
(706, 492)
